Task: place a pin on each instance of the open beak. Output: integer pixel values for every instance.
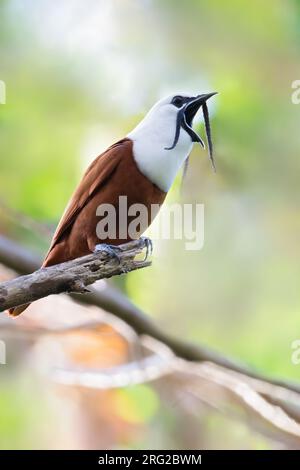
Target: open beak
(189, 113)
(193, 106)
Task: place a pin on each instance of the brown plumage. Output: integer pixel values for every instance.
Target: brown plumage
(114, 173)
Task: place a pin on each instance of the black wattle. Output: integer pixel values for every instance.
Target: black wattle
(194, 136)
(177, 132)
(208, 134)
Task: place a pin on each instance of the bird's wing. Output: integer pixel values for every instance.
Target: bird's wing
(94, 178)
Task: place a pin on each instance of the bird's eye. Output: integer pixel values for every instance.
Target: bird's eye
(178, 101)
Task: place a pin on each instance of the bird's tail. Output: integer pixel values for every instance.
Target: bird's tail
(15, 311)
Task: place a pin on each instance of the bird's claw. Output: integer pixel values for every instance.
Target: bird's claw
(111, 250)
(125, 270)
(149, 247)
(114, 250)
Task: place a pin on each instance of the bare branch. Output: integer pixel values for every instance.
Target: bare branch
(113, 301)
(72, 276)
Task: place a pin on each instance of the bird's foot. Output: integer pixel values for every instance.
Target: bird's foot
(148, 245)
(111, 250)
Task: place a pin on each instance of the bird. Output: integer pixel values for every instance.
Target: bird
(142, 166)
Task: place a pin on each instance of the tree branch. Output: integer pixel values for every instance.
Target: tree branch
(72, 276)
(113, 301)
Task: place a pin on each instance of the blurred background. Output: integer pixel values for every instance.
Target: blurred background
(79, 75)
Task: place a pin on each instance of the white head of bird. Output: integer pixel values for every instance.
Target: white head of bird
(163, 140)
